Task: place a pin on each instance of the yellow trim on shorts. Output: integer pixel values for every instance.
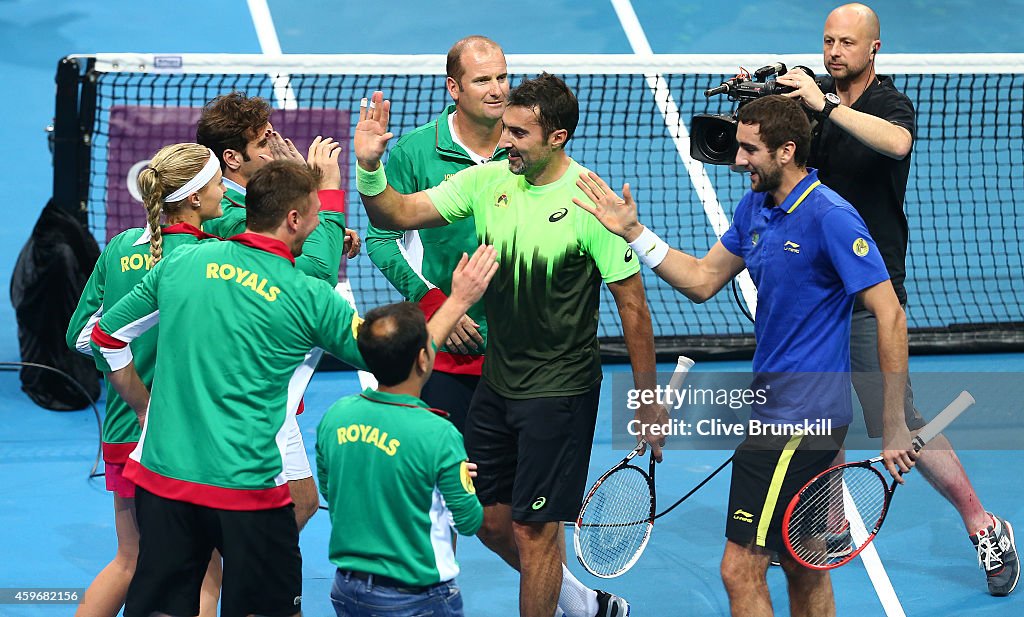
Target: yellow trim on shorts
(772, 499)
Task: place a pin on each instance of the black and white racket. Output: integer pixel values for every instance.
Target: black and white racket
(839, 511)
(618, 513)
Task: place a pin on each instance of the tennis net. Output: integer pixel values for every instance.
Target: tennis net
(963, 201)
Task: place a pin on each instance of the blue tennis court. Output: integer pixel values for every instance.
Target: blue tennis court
(56, 525)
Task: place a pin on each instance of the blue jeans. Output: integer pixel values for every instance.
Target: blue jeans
(356, 598)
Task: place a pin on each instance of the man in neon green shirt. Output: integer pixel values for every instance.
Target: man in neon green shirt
(531, 422)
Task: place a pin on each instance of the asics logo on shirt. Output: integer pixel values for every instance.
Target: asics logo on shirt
(629, 255)
(558, 215)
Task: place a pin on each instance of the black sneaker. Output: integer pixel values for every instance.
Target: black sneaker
(997, 556)
(609, 605)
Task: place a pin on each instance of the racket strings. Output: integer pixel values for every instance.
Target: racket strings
(615, 522)
(836, 514)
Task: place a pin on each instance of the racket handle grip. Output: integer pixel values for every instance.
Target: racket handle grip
(683, 366)
(944, 419)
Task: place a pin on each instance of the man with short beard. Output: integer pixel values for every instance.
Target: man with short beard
(809, 254)
(862, 151)
(531, 421)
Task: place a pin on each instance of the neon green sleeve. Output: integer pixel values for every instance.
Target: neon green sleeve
(455, 197)
(613, 257)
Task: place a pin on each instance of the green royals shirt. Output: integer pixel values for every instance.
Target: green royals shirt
(123, 263)
(321, 253)
(395, 478)
(214, 434)
(542, 305)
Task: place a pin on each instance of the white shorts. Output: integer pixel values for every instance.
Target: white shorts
(296, 463)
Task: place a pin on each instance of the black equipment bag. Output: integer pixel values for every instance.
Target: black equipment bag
(48, 280)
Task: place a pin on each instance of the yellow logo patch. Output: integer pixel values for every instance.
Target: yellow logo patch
(743, 515)
(467, 482)
(501, 201)
(861, 247)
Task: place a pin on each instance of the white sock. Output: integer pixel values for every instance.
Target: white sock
(576, 599)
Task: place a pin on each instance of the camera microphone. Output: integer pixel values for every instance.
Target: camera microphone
(722, 89)
(777, 68)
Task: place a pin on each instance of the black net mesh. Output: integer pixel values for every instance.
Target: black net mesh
(964, 266)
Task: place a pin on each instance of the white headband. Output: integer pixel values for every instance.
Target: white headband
(198, 181)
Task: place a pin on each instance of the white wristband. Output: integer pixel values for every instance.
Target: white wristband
(651, 249)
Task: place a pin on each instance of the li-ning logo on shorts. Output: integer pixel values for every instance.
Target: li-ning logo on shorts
(558, 215)
(743, 515)
(539, 503)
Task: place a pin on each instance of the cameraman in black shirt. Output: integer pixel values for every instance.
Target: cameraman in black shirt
(862, 151)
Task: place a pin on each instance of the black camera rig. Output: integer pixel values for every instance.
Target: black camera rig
(713, 136)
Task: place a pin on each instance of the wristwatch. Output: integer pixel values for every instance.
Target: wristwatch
(831, 102)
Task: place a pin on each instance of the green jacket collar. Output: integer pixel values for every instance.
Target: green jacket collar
(445, 144)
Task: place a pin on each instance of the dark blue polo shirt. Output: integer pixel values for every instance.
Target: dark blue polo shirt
(808, 257)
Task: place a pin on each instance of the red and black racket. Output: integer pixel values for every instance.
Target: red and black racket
(839, 512)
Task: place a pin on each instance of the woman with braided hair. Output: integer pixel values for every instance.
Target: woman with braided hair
(182, 184)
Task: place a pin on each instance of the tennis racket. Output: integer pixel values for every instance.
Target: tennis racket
(839, 512)
(618, 513)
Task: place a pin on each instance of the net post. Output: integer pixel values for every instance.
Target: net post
(71, 140)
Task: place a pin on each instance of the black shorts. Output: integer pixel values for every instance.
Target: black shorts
(452, 393)
(262, 565)
(767, 471)
(532, 454)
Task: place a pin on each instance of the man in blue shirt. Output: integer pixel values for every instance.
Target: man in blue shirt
(809, 254)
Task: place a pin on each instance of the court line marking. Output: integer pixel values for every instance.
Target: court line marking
(681, 138)
(716, 215)
(872, 562)
(270, 45)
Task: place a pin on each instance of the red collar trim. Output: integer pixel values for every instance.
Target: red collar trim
(192, 230)
(264, 243)
(439, 412)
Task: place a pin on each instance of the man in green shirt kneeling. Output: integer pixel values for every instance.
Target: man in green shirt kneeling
(394, 471)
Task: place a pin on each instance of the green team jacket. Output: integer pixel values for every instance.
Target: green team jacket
(419, 264)
(394, 475)
(321, 254)
(123, 263)
(237, 319)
